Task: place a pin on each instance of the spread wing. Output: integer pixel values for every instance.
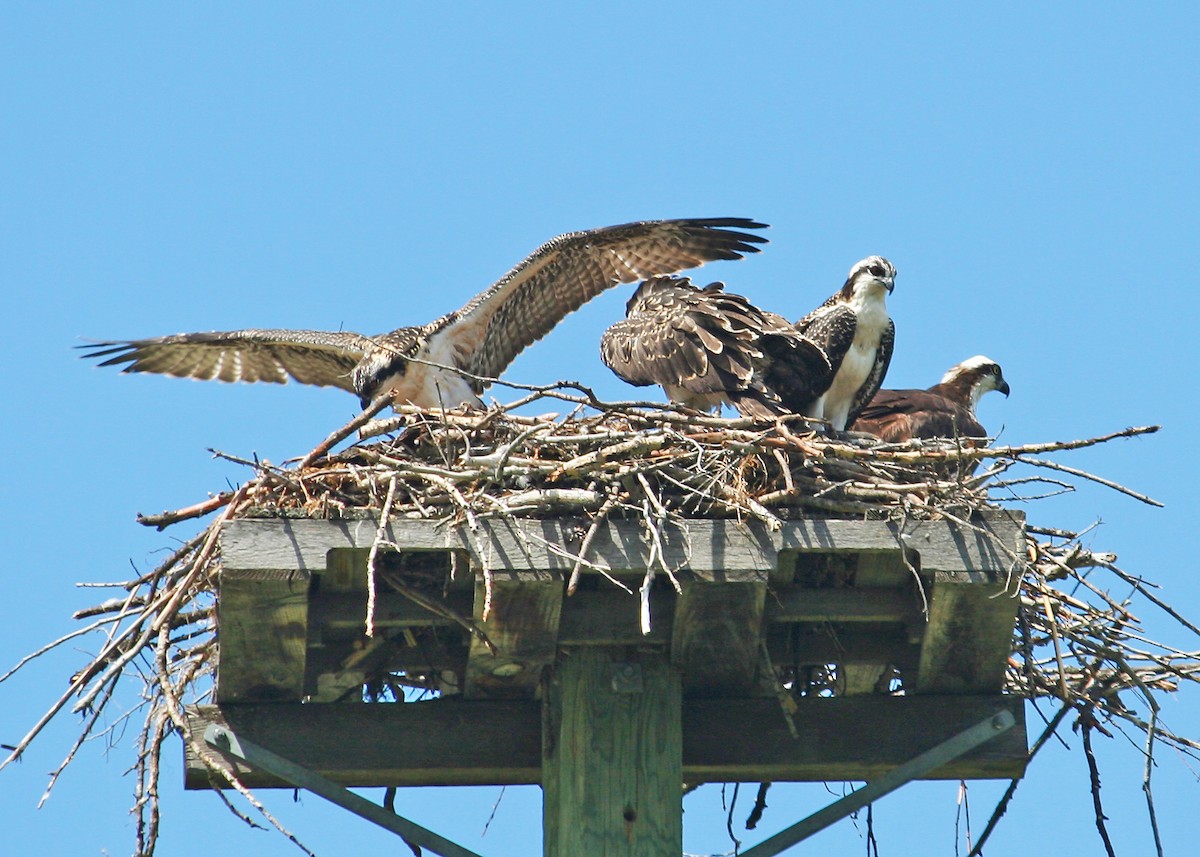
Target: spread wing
(883, 357)
(705, 341)
(566, 272)
(701, 341)
(309, 356)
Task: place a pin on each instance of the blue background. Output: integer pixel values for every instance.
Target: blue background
(1031, 171)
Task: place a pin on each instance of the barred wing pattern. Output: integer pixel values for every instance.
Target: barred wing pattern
(565, 273)
(309, 356)
(706, 347)
(482, 338)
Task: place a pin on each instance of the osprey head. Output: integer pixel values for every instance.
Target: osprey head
(982, 373)
(872, 273)
(373, 370)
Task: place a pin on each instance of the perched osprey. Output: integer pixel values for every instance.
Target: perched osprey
(854, 330)
(707, 347)
(481, 339)
(946, 409)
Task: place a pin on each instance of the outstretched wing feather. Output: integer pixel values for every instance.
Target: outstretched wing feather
(566, 272)
(272, 356)
(686, 338)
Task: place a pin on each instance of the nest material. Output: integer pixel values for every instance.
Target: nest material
(1074, 641)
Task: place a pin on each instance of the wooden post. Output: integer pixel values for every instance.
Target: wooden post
(612, 757)
(973, 609)
(715, 636)
(523, 631)
(263, 619)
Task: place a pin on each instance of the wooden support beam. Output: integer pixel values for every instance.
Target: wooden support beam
(612, 759)
(847, 738)
(877, 569)
(715, 637)
(834, 572)
(461, 742)
(854, 644)
(712, 549)
(855, 604)
(522, 628)
(968, 638)
(492, 742)
(608, 616)
(262, 622)
(972, 611)
(347, 611)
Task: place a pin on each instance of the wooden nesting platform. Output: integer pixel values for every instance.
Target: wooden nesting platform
(292, 602)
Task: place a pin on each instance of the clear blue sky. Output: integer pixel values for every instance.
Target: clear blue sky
(1032, 172)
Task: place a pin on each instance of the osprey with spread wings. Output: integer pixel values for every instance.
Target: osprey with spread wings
(448, 361)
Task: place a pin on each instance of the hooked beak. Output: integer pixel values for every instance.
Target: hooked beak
(1003, 388)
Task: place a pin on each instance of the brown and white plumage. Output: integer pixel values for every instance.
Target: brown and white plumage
(946, 409)
(707, 347)
(481, 339)
(856, 333)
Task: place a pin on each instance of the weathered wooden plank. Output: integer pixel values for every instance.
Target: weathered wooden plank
(713, 549)
(855, 604)
(522, 627)
(448, 741)
(968, 639)
(849, 738)
(454, 741)
(262, 625)
(715, 636)
(610, 616)
(990, 548)
(612, 761)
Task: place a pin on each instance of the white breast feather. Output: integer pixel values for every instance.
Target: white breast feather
(871, 313)
(431, 386)
(442, 385)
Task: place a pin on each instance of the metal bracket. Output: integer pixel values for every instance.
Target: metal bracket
(939, 755)
(224, 741)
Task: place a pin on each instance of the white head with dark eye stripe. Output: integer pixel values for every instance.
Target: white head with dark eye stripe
(978, 375)
(872, 275)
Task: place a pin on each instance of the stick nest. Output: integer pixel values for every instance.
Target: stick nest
(1077, 639)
